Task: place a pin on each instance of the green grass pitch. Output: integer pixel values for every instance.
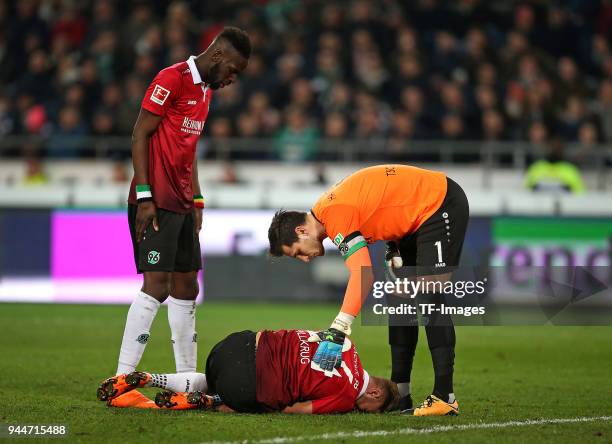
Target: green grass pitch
(53, 357)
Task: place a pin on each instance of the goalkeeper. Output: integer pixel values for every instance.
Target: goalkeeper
(423, 216)
(260, 372)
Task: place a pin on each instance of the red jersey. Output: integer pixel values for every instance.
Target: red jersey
(181, 98)
(286, 374)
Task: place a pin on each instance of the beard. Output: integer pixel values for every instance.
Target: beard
(214, 77)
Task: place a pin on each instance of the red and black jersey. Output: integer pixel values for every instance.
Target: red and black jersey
(181, 98)
(286, 374)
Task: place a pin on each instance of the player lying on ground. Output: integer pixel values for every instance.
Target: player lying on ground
(423, 216)
(261, 372)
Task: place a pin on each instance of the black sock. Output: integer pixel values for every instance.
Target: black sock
(441, 339)
(443, 358)
(403, 341)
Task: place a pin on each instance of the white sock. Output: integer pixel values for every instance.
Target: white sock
(180, 382)
(136, 334)
(404, 389)
(181, 317)
(451, 398)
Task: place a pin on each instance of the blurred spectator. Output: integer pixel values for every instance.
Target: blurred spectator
(493, 126)
(473, 69)
(554, 173)
(336, 126)
(36, 80)
(35, 172)
(571, 118)
(248, 125)
(452, 127)
(218, 132)
(298, 139)
(320, 175)
(8, 118)
(120, 172)
(402, 131)
(229, 175)
(603, 109)
(538, 134)
(68, 137)
(268, 117)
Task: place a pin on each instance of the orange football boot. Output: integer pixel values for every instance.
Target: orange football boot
(434, 406)
(133, 399)
(183, 400)
(120, 384)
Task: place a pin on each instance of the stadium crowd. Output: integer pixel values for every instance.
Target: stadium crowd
(390, 69)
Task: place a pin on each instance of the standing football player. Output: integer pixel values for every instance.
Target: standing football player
(424, 215)
(165, 201)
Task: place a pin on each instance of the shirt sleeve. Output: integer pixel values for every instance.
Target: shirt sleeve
(162, 92)
(342, 226)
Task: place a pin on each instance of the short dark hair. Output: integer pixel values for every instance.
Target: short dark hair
(282, 230)
(238, 38)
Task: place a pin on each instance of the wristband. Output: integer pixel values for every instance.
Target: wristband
(198, 201)
(143, 193)
(343, 323)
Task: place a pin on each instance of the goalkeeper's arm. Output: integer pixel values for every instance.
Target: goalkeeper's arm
(360, 281)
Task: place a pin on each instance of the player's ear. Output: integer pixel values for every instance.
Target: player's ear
(375, 392)
(301, 231)
(217, 55)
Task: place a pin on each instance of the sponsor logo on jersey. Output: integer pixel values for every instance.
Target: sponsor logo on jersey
(159, 94)
(192, 102)
(338, 239)
(192, 126)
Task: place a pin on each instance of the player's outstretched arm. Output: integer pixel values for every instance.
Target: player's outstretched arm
(361, 279)
(329, 352)
(301, 408)
(145, 126)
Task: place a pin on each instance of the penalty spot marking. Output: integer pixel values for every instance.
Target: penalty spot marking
(413, 431)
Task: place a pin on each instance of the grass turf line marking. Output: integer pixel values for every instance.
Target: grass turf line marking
(413, 431)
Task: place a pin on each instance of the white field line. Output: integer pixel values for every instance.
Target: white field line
(413, 431)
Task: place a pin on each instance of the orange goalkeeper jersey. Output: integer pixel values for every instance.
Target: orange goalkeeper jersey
(383, 202)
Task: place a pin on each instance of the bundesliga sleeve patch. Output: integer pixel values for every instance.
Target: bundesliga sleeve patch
(159, 94)
(351, 243)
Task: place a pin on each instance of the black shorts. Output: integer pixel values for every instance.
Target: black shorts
(175, 247)
(231, 372)
(435, 247)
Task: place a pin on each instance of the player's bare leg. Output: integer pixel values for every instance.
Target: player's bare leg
(140, 316)
(181, 317)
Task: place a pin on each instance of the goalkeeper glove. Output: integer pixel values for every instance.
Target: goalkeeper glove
(329, 354)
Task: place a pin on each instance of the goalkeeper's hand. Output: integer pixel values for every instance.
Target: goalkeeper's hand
(329, 354)
(393, 258)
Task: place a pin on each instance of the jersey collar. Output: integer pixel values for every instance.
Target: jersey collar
(195, 74)
(366, 381)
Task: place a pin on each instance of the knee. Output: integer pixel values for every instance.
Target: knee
(186, 289)
(157, 285)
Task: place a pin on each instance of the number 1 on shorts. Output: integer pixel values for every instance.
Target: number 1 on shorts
(438, 245)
